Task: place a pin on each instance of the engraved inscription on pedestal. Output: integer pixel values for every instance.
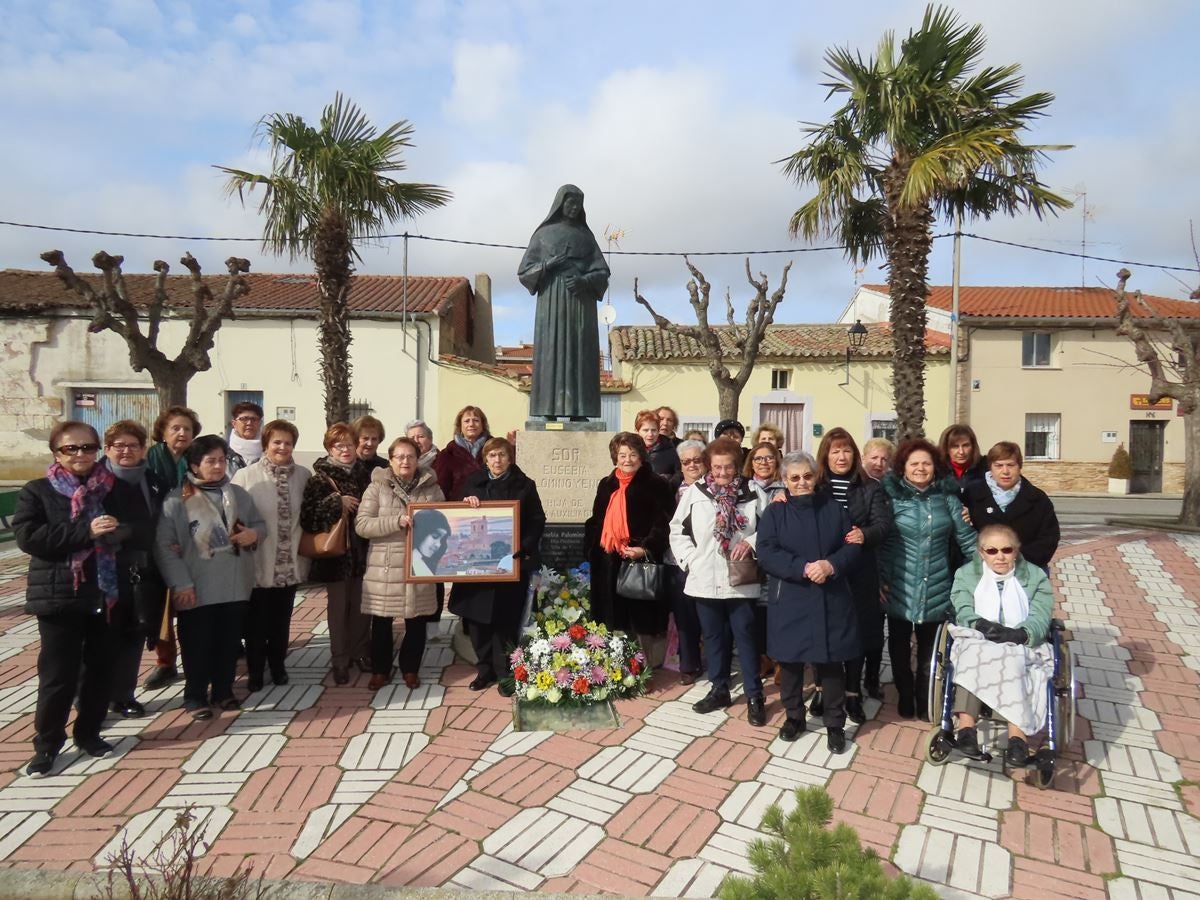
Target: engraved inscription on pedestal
(567, 466)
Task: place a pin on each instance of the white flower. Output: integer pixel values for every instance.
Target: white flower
(553, 695)
(540, 648)
(616, 645)
(531, 693)
(572, 615)
(629, 681)
(580, 657)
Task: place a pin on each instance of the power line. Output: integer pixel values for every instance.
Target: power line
(649, 253)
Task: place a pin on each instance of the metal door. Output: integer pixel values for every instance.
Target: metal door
(1146, 451)
(100, 407)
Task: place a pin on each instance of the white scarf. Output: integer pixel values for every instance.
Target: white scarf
(1010, 607)
(248, 449)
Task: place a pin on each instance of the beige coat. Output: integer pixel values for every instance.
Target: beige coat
(385, 590)
(262, 490)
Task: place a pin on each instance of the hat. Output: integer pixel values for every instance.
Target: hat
(726, 424)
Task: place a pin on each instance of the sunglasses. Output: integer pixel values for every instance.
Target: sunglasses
(78, 449)
(992, 551)
(691, 462)
(808, 476)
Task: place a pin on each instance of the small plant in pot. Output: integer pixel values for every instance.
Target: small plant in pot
(1120, 470)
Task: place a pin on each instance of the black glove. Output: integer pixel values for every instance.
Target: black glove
(1001, 634)
(986, 627)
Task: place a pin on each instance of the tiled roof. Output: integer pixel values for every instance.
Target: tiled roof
(1049, 302)
(779, 342)
(22, 289)
(608, 384)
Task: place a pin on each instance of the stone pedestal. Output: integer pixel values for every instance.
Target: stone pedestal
(567, 465)
(564, 716)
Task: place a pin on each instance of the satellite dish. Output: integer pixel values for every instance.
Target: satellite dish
(608, 314)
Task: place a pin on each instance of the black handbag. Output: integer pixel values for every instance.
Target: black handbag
(639, 579)
(149, 598)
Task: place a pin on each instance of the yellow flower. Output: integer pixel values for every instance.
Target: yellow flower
(553, 627)
(564, 594)
(544, 680)
(615, 675)
(558, 660)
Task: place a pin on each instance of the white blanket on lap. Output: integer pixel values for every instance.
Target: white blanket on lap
(1010, 678)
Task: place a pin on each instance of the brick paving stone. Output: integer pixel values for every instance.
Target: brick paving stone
(326, 722)
(235, 753)
(965, 782)
(523, 781)
(597, 803)
(474, 815)
(1058, 841)
(1151, 825)
(725, 759)
(1035, 879)
(627, 769)
(876, 834)
(146, 830)
(616, 866)
(543, 840)
(290, 788)
(18, 827)
(956, 817)
(1142, 790)
(118, 792)
(429, 857)
(960, 862)
(381, 751)
(429, 769)
(204, 788)
(664, 825)
(690, 878)
(699, 788)
(729, 845)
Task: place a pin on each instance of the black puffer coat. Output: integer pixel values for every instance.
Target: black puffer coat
(320, 509)
(1031, 515)
(501, 603)
(43, 527)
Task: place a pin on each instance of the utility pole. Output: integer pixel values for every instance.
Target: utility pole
(954, 287)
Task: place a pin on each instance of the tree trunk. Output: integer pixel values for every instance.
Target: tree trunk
(908, 238)
(1190, 515)
(171, 387)
(332, 256)
(728, 395)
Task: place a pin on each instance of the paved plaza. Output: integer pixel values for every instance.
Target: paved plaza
(432, 787)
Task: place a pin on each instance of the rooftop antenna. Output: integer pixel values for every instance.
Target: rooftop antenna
(1079, 192)
(612, 236)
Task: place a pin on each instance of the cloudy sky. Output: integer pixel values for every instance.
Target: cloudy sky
(669, 115)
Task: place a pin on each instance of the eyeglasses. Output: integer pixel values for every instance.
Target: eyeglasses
(246, 420)
(121, 447)
(807, 476)
(692, 462)
(345, 447)
(763, 459)
(992, 551)
(78, 449)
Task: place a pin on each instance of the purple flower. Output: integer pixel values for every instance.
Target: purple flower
(563, 677)
(518, 657)
(561, 641)
(597, 675)
(596, 641)
(640, 657)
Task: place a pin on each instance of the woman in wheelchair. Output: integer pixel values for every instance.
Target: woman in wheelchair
(1001, 655)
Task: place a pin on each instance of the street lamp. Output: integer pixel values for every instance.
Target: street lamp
(856, 336)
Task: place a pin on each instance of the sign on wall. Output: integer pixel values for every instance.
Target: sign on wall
(1142, 402)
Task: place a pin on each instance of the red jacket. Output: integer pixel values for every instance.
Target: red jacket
(453, 466)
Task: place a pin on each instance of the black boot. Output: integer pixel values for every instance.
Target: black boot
(854, 709)
(816, 705)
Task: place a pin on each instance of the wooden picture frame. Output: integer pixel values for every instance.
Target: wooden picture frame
(477, 545)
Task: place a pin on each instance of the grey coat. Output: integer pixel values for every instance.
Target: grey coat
(226, 577)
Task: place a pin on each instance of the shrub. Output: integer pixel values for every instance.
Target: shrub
(805, 859)
(1121, 465)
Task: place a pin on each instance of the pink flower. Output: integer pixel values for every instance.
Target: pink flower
(561, 641)
(640, 657)
(597, 675)
(596, 641)
(563, 677)
(518, 657)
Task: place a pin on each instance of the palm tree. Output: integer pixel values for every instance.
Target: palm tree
(328, 187)
(920, 134)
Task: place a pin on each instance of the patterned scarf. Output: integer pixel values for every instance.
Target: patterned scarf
(614, 535)
(1003, 498)
(473, 447)
(211, 509)
(728, 520)
(87, 500)
(285, 562)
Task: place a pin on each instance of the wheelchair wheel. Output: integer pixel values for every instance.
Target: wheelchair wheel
(1065, 699)
(938, 662)
(937, 747)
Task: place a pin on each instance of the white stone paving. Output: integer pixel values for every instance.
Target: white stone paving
(627, 769)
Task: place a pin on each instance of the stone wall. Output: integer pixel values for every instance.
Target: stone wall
(1088, 477)
(26, 417)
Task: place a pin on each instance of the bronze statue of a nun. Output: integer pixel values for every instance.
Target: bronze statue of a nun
(564, 267)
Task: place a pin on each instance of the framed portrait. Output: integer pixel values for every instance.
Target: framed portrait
(457, 542)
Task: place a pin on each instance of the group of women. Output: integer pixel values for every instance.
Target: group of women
(802, 561)
(784, 557)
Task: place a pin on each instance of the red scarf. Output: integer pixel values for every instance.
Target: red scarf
(614, 536)
(959, 471)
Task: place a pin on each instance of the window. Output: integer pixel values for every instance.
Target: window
(697, 423)
(781, 379)
(1035, 349)
(359, 408)
(884, 428)
(1041, 435)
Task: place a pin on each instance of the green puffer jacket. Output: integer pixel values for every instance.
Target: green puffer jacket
(914, 560)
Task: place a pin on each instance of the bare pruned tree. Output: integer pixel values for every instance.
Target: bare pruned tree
(113, 310)
(1170, 351)
(741, 340)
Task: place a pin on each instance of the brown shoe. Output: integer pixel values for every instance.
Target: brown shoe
(377, 681)
(687, 677)
(778, 673)
(766, 667)
(412, 681)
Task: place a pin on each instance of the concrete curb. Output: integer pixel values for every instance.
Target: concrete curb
(43, 884)
(1152, 524)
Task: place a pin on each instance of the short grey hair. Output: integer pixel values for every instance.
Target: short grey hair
(419, 423)
(693, 444)
(798, 458)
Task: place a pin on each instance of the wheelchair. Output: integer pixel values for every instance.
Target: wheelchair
(1060, 711)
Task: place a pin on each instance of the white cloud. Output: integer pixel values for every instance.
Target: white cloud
(485, 81)
(243, 25)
